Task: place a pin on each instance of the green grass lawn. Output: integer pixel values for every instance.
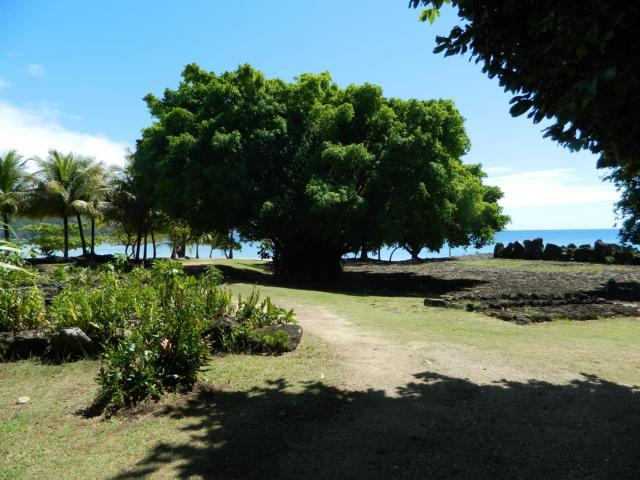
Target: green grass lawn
(50, 438)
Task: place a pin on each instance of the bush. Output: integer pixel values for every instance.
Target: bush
(101, 311)
(128, 373)
(21, 308)
(156, 326)
(255, 314)
(271, 344)
(250, 313)
(165, 351)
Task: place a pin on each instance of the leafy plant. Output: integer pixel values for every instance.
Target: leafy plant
(271, 344)
(128, 373)
(21, 308)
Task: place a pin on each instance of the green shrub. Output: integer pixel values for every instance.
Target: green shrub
(250, 313)
(102, 310)
(158, 325)
(21, 308)
(128, 373)
(253, 313)
(164, 351)
(271, 344)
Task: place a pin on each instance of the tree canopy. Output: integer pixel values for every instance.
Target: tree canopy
(316, 169)
(575, 61)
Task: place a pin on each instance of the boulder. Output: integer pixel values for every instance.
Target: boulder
(552, 252)
(70, 343)
(611, 287)
(6, 342)
(27, 343)
(223, 323)
(518, 251)
(498, 251)
(583, 254)
(604, 252)
(435, 302)
(533, 249)
(508, 251)
(219, 332)
(293, 331)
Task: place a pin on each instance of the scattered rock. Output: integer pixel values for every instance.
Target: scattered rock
(23, 400)
(611, 287)
(6, 341)
(518, 251)
(533, 249)
(435, 302)
(552, 252)
(23, 344)
(583, 254)
(604, 252)
(293, 331)
(508, 251)
(70, 343)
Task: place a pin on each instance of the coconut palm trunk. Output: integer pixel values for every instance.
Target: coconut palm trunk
(65, 224)
(5, 219)
(83, 240)
(93, 236)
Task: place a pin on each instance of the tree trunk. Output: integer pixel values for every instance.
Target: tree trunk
(182, 248)
(93, 236)
(307, 261)
(5, 219)
(364, 254)
(138, 240)
(197, 250)
(144, 255)
(211, 252)
(230, 253)
(82, 239)
(153, 243)
(65, 223)
(392, 252)
(379, 254)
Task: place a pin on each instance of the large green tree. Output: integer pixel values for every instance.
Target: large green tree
(576, 62)
(13, 184)
(316, 169)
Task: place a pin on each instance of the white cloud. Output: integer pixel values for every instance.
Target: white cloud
(4, 83)
(546, 188)
(36, 70)
(497, 170)
(34, 131)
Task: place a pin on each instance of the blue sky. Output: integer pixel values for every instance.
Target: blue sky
(73, 74)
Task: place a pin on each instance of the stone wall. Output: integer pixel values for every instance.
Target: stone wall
(599, 252)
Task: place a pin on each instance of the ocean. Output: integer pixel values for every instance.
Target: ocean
(559, 237)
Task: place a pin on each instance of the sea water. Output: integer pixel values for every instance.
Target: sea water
(250, 250)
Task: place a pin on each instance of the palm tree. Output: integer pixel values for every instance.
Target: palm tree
(12, 186)
(99, 202)
(65, 186)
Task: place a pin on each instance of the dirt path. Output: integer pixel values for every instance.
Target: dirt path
(369, 361)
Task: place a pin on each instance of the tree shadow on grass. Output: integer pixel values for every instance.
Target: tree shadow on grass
(396, 283)
(434, 427)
